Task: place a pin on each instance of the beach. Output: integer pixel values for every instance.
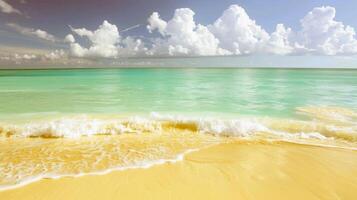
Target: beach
(171, 100)
(234, 170)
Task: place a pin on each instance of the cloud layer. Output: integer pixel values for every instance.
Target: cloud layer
(234, 32)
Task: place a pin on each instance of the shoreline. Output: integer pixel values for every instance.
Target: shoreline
(227, 170)
(179, 158)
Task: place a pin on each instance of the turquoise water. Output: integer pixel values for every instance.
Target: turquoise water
(261, 92)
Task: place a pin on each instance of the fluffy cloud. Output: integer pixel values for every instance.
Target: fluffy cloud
(182, 36)
(132, 47)
(69, 39)
(322, 34)
(156, 23)
(280, 41)
(7, 8)
(237, 32)
(105, 42)
(234, 32)
(38, 33)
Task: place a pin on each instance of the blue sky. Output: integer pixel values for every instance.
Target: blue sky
(38, 30)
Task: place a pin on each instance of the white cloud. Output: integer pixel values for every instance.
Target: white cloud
(156, 23)
(25, 56)
(35, 57)
(7, 8)
(55, 55)
(43, 35)
(131, 47)
(237, 32)
(280, 41)
(18, 58)
(234, 32)
(182, 36)
(323, 35)
(103, 41)
(69, 39)
(32, 32)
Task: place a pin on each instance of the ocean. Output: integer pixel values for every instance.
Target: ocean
(71, 122)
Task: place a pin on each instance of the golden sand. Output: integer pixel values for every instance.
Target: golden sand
(227, 171)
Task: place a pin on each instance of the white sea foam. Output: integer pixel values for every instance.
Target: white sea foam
(138, 165)
(223, 127)
(77, 126)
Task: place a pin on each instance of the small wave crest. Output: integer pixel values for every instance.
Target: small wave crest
(86, 125)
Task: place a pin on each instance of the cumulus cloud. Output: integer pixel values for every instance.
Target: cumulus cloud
(155, 22)
(237, 32)
(7, 8)
(69, 39)
(234, 32)
(132, 47)
(38, 33)
(182, 36)
(322, 34)
(280, 41)
(105, 42)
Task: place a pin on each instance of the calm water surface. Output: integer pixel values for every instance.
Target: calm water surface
(261, 92)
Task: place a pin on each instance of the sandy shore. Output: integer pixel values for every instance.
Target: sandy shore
(226, 171)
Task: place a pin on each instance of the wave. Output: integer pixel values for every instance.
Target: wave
(323, 124)
(78, 126)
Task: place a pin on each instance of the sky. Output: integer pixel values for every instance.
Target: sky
(106, 32)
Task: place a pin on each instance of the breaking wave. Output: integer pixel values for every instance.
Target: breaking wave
(322, 124)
